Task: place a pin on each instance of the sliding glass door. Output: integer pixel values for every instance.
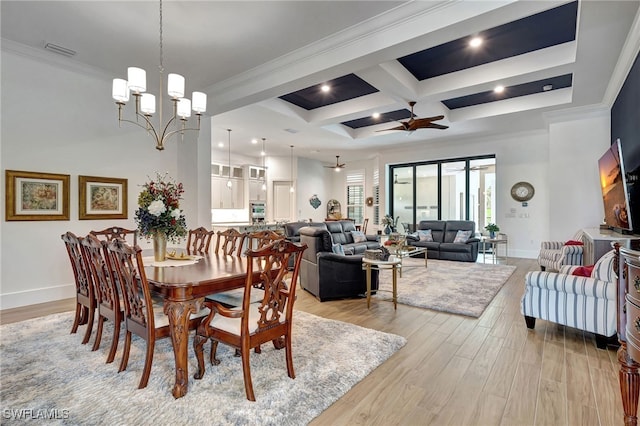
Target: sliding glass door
(456, 189)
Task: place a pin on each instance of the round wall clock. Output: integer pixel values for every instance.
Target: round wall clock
(522, 191)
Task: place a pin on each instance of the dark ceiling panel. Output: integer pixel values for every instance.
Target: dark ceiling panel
(524, 89)
(385, 117)
(342, 89)
(545, 29)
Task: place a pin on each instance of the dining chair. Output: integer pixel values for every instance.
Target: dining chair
(112, 232)
(199, 240)
(108, 298)
(256, 240)
(141, 316)
(364, 225)
(260, 239)
(230, 242)
(253, 324)
(85, 297)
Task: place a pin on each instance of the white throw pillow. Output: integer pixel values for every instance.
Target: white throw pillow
(425, 235)
(462, 236)
(358, 237)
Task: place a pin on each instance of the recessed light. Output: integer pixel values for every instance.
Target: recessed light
(220, 145)
(375, 115)
(475, 42)
(547, 87)
(254, 141)
(325, 88)
(499, 89)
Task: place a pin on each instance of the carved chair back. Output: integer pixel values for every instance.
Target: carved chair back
(85, 295)
(106, 290)
(199, 240)
(230, 242)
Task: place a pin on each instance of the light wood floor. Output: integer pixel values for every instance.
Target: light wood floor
(456, 370)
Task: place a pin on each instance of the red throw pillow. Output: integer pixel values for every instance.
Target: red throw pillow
(583, 271)
(573, 243)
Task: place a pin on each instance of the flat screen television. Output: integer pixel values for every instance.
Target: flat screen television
(614, 189)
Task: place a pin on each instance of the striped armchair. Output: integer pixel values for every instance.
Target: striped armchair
(585, 303)
(554, 254)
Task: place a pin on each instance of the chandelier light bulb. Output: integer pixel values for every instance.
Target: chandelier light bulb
(264, 186)
(175, 85)
(120, 90)
(148, 104)
(137, 78)
(229, 184)
(199, 102)
(184, 108)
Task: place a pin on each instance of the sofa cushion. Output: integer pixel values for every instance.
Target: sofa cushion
(337, 249)
(574, 243)
(437, 228)
(358, 236)
(452, 228)
(462, 236)
(424, 235)
(455, 247)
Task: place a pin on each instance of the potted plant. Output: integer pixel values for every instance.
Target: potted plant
(492, 228)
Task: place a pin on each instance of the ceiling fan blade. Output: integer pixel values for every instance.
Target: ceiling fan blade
(404, 126)
(437, 126)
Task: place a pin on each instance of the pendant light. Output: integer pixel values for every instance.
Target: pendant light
(291, 171)
(264, 168)
(229, 183)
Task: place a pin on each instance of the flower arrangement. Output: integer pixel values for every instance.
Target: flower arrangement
(159, 209)
(389, 221)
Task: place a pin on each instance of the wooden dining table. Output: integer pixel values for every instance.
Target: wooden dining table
(183, 289)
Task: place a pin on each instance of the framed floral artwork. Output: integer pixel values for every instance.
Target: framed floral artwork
(36, 196)
(102, 197)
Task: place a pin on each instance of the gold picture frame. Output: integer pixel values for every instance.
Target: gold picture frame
(36, 196)
(102, 198)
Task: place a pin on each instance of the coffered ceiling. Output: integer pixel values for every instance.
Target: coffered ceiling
(263, 63)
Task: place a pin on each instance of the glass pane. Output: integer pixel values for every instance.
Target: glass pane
(355, 213)
(403, 196)
(427, 192)
(453, 191)
(482, 184)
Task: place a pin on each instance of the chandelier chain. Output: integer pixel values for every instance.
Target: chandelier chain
(161, 66)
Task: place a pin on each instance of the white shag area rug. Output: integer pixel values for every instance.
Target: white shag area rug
(47, 372)
(463, 288)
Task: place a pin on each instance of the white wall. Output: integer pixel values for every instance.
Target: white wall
(61, 120)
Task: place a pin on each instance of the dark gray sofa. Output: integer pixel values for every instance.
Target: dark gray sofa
(328, 275)
(443, 247)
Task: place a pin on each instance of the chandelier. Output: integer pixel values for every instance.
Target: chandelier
(145, 103)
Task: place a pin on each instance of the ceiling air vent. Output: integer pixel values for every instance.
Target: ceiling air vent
(59, 50)
(294, 131)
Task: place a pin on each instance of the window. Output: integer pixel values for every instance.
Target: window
(460, 189)
(355, 196)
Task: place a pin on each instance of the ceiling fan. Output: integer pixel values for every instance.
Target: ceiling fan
(400, 182)
(338, 165)
(418, 123)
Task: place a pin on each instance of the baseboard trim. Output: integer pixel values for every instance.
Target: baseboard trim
(34, 297)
